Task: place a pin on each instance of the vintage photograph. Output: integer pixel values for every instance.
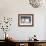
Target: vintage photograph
(25, 19)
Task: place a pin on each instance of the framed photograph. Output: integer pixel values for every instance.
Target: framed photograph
(25, 19)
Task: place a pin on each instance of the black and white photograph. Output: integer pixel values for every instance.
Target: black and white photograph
(25, 19)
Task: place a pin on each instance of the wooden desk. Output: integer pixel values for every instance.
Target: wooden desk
(27, 43)
(31, 43)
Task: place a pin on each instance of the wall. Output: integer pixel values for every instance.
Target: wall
(11, 8)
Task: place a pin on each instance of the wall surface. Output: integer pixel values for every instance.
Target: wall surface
(11, 8)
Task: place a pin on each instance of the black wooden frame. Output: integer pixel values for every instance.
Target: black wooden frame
(26, 15)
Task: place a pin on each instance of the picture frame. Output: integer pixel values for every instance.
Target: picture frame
(25, 20)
